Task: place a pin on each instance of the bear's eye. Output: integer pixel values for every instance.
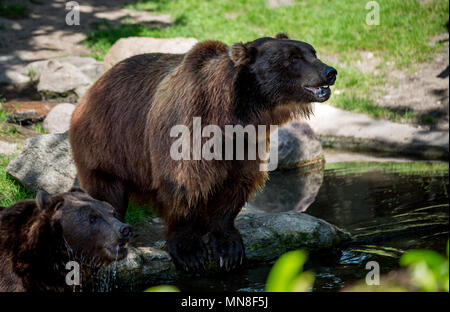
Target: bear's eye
(295, 58)
(93, 218)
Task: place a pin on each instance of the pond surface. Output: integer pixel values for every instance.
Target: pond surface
(387, 207)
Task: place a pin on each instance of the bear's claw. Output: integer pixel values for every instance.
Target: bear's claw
(189, 253)
(227, 249)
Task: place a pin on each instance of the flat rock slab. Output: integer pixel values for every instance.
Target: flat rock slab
(265, 236)
(128, 47)
(27, 112)
(342, 129)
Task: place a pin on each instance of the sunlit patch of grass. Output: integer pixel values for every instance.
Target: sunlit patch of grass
(10, 190)
(366, 106)
(336, 27)
(413, 168)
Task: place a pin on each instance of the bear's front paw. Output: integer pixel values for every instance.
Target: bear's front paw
(188, 252)
(227, 249)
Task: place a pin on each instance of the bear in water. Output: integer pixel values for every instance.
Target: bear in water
(39, 237)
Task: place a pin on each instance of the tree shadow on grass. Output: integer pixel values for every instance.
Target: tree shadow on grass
(43, 33)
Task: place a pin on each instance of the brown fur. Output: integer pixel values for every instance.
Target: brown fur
(38, 237)
(120, 137)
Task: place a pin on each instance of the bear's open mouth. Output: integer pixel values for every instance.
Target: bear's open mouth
(321, 93)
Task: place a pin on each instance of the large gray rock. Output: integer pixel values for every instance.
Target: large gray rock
(265, 236)
(298, 146)
(45, 163)
(63, 76)
(61, 79)
(344, 130)
(58, 119)
(127, 47)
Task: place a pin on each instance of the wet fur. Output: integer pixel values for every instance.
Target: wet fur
(33, 250)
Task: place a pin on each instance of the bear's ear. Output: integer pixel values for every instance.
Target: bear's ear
(282, 35)
(43, 200)
(242, 55)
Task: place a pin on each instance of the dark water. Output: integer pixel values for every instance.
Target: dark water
(388, 207)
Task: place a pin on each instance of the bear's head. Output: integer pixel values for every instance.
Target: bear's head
(285, 70)
(89, 227)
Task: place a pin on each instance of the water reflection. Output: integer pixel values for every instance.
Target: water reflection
(389, 208)
(288, 190)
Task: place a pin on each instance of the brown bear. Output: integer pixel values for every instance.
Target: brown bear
(121, 141)
(39, 237)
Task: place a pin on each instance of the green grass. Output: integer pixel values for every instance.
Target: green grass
(3, 114)
(364, 105)
(39, 128)
(138, 213)
(10, 190)
(334, 28)
(13, 10)
(10, 129)
(4, 129)
(413, 168)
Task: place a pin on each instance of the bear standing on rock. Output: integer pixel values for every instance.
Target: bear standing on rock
(121, 134)
(39, 237)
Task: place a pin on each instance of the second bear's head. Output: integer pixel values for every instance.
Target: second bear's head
(286, 70)
(89, 227)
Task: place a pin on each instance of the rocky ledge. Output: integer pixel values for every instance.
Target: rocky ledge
(265, 236)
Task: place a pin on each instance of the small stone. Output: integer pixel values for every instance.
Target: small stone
(279, 3)
(58, 119)
(7, 148)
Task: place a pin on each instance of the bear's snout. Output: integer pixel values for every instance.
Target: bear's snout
(329, 75)
(125, 232)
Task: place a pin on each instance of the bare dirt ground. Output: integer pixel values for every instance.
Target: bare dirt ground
(424, 92)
